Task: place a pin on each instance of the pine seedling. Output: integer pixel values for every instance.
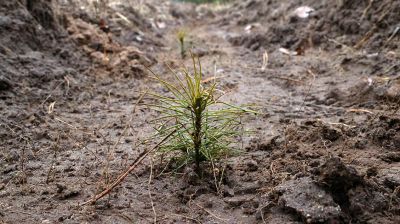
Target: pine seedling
(205, 128)
(181, 38)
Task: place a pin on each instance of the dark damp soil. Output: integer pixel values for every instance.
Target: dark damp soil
(325, 147)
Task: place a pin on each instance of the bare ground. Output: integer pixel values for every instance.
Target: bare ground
(324, 148)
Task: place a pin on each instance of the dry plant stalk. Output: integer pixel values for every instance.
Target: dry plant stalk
(265, 61)
(121, 177)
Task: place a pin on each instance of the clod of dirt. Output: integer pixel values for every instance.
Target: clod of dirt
(360, 143)
(391, 177)
(177, 14)
(267, 144)
(393, 92)
(277, 215)
(307, 199)
(43, 13)
(332, 97)
(372, 171)
(9, 169)
(60, 188)
(384, 132)
(330, 133)
(239, 200)
(99, 46)
(365, 94)
(5, 84)
(190, 176)
(64, 192)
(363, 201)
(350, 191)
(338, 178)
(70, 193)
(252, 165)
(192, 192)
(390, 157)
(227, 191)
(248, 188)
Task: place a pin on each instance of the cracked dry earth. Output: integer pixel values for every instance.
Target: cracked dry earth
(323, 149)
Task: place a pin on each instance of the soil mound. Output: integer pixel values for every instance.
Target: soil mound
(33, 47)
(362, 24)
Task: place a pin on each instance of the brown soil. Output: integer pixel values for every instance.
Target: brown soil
(325, 147)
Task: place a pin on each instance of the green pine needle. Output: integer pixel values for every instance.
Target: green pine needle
(205, 127)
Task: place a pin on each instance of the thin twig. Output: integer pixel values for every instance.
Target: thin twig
(359, 110)
(288, 79)
(396, 30)
(121, 177)
(212, 214)
(55, 149)
(151, 198)
(392, 197)
(351, 49)
(51, 93)
(309, 88)
(126, 126)
(366, 10)
(207, 80)
(215, 177)
(369, 34)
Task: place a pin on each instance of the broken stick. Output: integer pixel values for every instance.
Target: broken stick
(121, 177)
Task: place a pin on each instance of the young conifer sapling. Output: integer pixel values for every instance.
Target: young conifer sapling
(205, 127)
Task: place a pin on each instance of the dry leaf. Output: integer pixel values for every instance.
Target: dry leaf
(51, 107)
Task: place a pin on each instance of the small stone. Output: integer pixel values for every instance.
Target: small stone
(60, 188)
(69, 193)
(308, 200)
(238, 200)
(331, 134)
(393, 91)
(69, 168)
(360, 143)
(252, 165)
(12, 156)
(248, 188)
